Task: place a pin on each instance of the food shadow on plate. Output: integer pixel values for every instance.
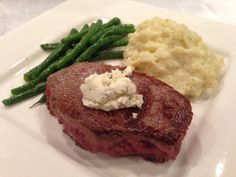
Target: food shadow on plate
(208, 95)
(189, 155)
(211, 93)
(196, 147)
(113, 166)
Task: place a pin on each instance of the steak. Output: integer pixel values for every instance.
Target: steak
(156, 134)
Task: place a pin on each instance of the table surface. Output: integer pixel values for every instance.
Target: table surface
(16, 12)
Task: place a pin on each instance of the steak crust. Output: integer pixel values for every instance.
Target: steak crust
(156, 134)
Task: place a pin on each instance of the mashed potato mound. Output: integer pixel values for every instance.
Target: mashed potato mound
(172, 53)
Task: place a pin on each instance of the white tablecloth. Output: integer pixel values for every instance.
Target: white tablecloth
(16, 12)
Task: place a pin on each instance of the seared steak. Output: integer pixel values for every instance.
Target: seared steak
(156, 134)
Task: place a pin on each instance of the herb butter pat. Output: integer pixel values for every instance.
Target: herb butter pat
(110, 91)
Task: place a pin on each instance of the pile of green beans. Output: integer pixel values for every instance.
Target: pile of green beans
(91, 43)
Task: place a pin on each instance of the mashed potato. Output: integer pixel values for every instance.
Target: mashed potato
(172, 53)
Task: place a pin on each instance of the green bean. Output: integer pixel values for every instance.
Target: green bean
(73, 30)
(98, 35)
(73, 38)
(99, 44)
(42, 77)
(119, 43)
(113, 21)
(69, 57)
(33, 73)
(23, 96)
(122, 29)
(108, 55)
(40, 101)
(80, 47)
(105, 28)
(50, 46)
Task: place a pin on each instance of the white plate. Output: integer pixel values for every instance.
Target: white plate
(32, 142)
